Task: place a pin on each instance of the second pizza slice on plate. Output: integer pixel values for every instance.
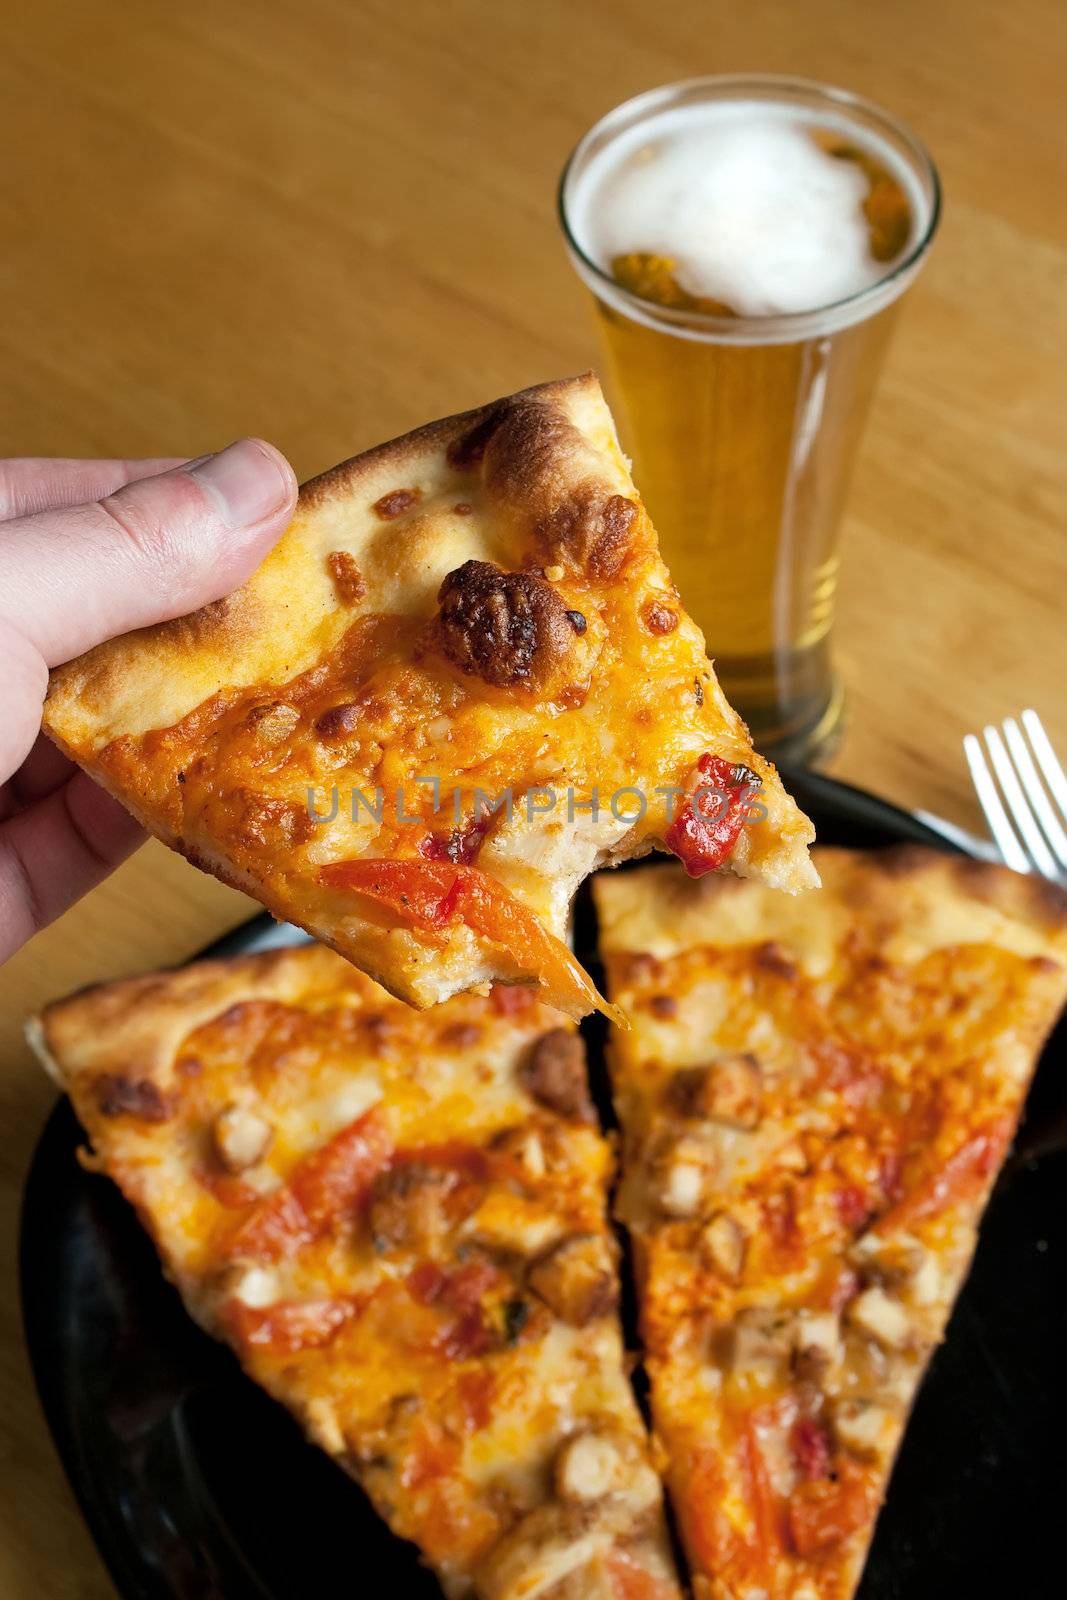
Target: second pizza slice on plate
(461, 681)
(816, 1098)
(397, 1220)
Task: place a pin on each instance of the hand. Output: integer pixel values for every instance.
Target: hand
(88, 550)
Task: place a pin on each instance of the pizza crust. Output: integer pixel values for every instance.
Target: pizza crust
(918, 900)
(286, 617)
(142, 1020)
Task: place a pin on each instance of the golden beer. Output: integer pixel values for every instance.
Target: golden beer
(745, 313)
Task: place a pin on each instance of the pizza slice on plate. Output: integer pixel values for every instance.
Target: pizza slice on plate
(816, 1099)
(397, 1220)
(461, 681)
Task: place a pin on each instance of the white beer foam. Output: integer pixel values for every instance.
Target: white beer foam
(744, 201)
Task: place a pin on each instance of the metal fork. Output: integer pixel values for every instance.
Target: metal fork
(1033, 837)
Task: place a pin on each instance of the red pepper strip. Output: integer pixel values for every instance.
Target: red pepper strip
(713, 1543)
(969, 1166)
(763, 1502)
(325, 1184)
(709, 821)
(433, 895)
(745, 1556)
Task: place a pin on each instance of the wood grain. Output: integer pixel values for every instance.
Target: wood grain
(326, 221)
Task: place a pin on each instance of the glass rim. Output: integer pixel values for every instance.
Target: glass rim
(782, 327)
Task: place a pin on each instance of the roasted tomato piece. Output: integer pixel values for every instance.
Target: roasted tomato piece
(432, 895)
(965, 1171)
(711, 818)
(325, 1185)
(465, 1331)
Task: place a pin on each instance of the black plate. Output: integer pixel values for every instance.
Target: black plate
(195, 1484)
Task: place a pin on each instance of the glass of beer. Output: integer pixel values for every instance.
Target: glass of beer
(747, 241)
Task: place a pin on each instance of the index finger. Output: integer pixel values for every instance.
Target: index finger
(54, 852)
(45, 483)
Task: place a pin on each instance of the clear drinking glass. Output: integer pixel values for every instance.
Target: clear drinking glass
(743, 429)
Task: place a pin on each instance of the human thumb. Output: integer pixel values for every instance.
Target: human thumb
(157, 548)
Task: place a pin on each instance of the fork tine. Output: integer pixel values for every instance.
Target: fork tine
(1022, 816)
(1010, 849)
(1035, 792)
(1053, 773)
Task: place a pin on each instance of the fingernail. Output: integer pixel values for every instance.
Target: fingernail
(246, 480)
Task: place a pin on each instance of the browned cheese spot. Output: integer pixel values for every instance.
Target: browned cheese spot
(272, 722)
(663, 1005)
(774, 958)
(131, 1097)
(396, 502)
(591, 531)
(659, 618)
(261, 820)
(339, 722)
(542, 471)
(461, 1035)
(466, 452)
(347, 579)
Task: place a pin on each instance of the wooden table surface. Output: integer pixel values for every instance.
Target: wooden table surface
(326, 221)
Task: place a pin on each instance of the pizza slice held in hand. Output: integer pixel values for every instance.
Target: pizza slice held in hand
(816, 1098)
(461, 681)
(398, 1222)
